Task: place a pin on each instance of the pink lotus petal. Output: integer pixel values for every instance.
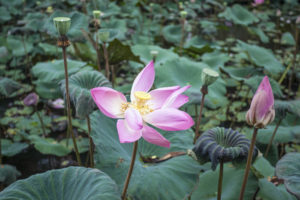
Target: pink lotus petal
(175, 100)
(154, 137)
(133, 119)
(109, 101)
(266, 98)
(159, 96)
(126, 134)
(169, 119)
(144, 81)
(257, 2)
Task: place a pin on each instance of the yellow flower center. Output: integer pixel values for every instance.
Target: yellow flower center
(140, 103)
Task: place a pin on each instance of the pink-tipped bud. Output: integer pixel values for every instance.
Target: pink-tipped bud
(31, 99)
(261, 112)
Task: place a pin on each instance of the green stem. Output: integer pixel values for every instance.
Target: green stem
(0, 148)
(182, 36)
(41, 121)
(272, 138)
(204, 92)
(135, 145)
(220, 180)
(106, 61)
(91, 150)
(97, 48)
(70, 128)
(249, 160)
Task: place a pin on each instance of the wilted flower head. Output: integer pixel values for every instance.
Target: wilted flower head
(221, 144)
(31, 99)
(58, 104)
(158, 107)
(257, 2)
(261, 111)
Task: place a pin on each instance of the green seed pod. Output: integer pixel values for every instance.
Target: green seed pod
(154, 53)
(97, 14)
(209, 76)
(183, 14)
(221, 144)
(103, 35)
(62, 24)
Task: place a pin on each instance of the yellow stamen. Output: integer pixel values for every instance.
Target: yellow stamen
(142, 95)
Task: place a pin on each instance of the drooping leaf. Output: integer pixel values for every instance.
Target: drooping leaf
(179, 173)
(72, 183)
(80, 85)
(172, 33)
(220, 144)
(232, 182)
(262, 57)
(287, 38)
(288, 169)
(239, 15)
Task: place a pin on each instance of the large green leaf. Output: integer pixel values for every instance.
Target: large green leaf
(171, 179)
(10, 148)
(49, 74)
(268, 191)
(232, 182)
(239, 15)
(183, 72)
(8, 174)
(288, 169)
(172, 33)
(262, 57)
(19, 47)
(72, 183)
(80, 85)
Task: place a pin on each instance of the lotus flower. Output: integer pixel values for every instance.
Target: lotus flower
(261, 111)
(31, 99)
(158, 108)
(258, 2)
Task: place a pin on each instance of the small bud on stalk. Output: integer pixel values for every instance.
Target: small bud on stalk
(103, 35)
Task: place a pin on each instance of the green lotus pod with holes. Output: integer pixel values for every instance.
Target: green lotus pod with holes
(97, 14)
(221, 144)
(209, 76)
(62, 24)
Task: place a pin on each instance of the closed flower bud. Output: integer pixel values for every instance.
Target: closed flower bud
(209, 76)
(261, 112)
(62, 24)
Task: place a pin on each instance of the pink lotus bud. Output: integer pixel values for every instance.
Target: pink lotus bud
(258, 2)
(261, 112)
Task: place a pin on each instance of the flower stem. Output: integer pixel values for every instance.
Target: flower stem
(204, 92)
(97, 48)
(220, 180)
(272, 138)
(70, 128)
(41, 121)
(182, 36)
(135, 145)
(91, 151)
(249, 160)
(106, 61)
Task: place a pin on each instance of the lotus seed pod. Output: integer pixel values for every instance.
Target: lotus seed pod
(183, 14)
(62, 24)
(154, 53)
(103, 36)
(209, 76)
(97, 14)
